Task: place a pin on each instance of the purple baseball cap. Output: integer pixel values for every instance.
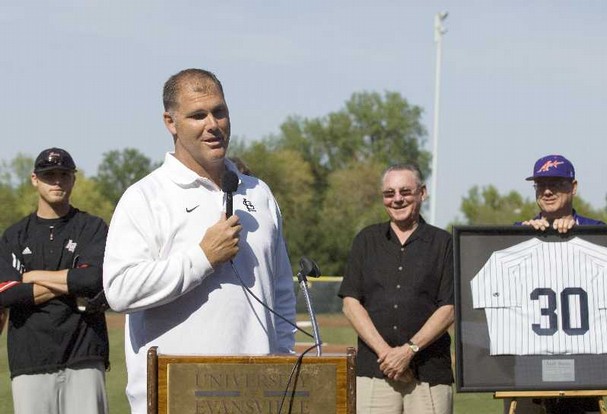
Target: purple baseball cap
(552, 166)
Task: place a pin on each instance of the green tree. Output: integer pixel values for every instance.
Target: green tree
(16, 172)
(384, 129)
(487, 206)
(27, 200)
(87, 196)
(8, 200)
(585, 209)
(352, 202)
(17, 194)
(119, 169)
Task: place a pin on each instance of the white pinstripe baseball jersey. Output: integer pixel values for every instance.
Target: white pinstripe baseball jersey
(545, 298)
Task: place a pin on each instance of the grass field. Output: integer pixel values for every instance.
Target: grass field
(334, 331)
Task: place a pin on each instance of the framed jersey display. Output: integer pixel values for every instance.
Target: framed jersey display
(531, 309)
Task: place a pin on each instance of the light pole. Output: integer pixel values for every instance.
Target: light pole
(439, 31)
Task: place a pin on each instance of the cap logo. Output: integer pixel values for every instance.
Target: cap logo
(548, 165)
(54, 157)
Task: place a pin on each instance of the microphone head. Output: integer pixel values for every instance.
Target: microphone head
(229, 181)
(308, 267)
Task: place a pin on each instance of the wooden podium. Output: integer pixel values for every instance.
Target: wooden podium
(179, 384)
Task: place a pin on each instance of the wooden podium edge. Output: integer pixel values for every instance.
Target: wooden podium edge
(351, 378)
(152, 388)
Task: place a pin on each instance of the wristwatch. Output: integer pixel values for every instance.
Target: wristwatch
(413, 347)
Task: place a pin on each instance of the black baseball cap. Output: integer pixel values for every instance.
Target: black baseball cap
(54, 159)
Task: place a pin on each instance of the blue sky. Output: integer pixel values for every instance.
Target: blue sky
(520, 79)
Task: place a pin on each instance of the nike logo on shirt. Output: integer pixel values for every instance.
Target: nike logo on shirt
(189, 210)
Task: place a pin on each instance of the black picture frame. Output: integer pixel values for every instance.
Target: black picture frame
(477, 370)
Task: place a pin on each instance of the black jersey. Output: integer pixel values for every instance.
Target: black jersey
(55, 334)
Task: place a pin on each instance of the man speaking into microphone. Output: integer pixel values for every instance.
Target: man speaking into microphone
(175, 262)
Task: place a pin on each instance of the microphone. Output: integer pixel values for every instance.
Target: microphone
(307, 267)
(229, 184)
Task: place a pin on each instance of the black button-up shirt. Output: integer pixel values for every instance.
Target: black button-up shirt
(401, 286)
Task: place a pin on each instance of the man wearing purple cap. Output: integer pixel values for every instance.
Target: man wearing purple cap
(555, 186)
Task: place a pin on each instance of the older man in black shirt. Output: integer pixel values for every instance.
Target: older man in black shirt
(398, 296)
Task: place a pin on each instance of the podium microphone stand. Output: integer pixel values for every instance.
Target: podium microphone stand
(308, 267)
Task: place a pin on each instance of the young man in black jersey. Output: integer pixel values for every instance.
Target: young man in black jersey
(51, 280)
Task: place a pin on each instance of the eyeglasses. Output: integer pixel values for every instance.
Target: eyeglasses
(557, 185)
(404, 192)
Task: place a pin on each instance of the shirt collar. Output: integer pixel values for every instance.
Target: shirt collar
(421, 232)
(185, 177)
